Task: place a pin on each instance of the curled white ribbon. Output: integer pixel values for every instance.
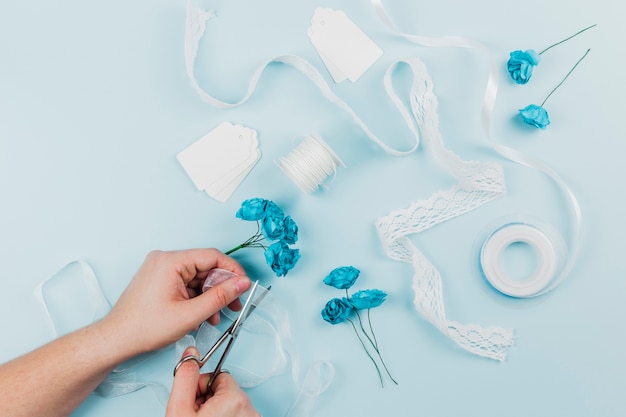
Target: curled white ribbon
(195, 29)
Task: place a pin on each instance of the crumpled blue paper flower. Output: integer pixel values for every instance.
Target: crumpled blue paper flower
(272, 225)
(252, 209)
(281, 258)
(290, 231)
(337, 310)
(342, 277)
(365, 299)
(535, 115)
(273, 221)
(521, 64)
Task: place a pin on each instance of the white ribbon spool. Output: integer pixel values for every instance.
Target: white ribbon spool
(310, 163)
(550, 254)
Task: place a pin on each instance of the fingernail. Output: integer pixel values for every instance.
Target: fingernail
(242, 283)
(191, 350)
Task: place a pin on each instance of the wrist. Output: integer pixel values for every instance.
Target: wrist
(116, 342)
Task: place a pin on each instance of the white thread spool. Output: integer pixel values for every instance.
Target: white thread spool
(549, 250)
(310, 163)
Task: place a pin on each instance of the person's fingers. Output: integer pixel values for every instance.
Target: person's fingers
(193, 262)
(214, 320)
(213, 300)
(185, 385)
(223, 382)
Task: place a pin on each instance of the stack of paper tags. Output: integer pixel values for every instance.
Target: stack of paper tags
(345, 49)
(218, 162)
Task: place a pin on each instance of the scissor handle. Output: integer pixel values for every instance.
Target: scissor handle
(186, 359)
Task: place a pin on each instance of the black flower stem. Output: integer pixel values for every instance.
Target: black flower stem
(567, 39)
(380, 377)
(563, 80)
(375, 343)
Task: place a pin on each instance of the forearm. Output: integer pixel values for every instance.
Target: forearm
(54, 379)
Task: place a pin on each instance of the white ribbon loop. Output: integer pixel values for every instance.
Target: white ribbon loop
(196, 26)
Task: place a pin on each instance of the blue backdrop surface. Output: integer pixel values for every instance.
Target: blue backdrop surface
(95, 103)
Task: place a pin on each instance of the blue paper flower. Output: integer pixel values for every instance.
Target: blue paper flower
(521, 64)
(337, 310)
(290, 231)
(281, 258)
(342, 277)
(366, 299)
(273, 222)
(253, 209)
(535, 115)
(272, 225)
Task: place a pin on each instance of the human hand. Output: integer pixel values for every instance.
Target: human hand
(164, 301)
(191, 395)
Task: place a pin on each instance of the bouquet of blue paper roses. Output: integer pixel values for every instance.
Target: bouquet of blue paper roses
(339, 310)
(272, 226)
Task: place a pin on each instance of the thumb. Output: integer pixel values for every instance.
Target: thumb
(185, 385)
(218, 297)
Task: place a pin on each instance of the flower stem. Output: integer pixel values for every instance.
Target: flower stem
(567, 39)
(375, 344)
(235, 249)
(380, 377)
(563, 80)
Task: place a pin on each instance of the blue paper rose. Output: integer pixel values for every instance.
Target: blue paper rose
(290, 231)
(253, 209)
(272, 225)
(337, 310)
(281, 258)
(521, 65)
(342, 277)
(535, 115)
(365, 299)
(273, 222)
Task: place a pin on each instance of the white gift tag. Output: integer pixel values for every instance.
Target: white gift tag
(221, 159)
(345, 49)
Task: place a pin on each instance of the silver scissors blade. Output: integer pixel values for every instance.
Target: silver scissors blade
(230, 334)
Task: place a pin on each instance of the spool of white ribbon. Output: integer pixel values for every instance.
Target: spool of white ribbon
(310, 163)
(549, 249)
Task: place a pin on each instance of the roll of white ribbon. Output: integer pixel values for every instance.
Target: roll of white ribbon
(550, 254)
(310, 163)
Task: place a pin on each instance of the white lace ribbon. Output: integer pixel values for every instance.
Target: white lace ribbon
(478, 183)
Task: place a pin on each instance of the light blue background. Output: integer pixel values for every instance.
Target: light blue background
(95, 104)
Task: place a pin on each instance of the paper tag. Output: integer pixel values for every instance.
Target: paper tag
(219, 161)
(344, 48)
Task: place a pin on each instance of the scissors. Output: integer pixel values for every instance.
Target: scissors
(229, 335)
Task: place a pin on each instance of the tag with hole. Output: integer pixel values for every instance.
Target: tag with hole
(219, 161)
(344, 48)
